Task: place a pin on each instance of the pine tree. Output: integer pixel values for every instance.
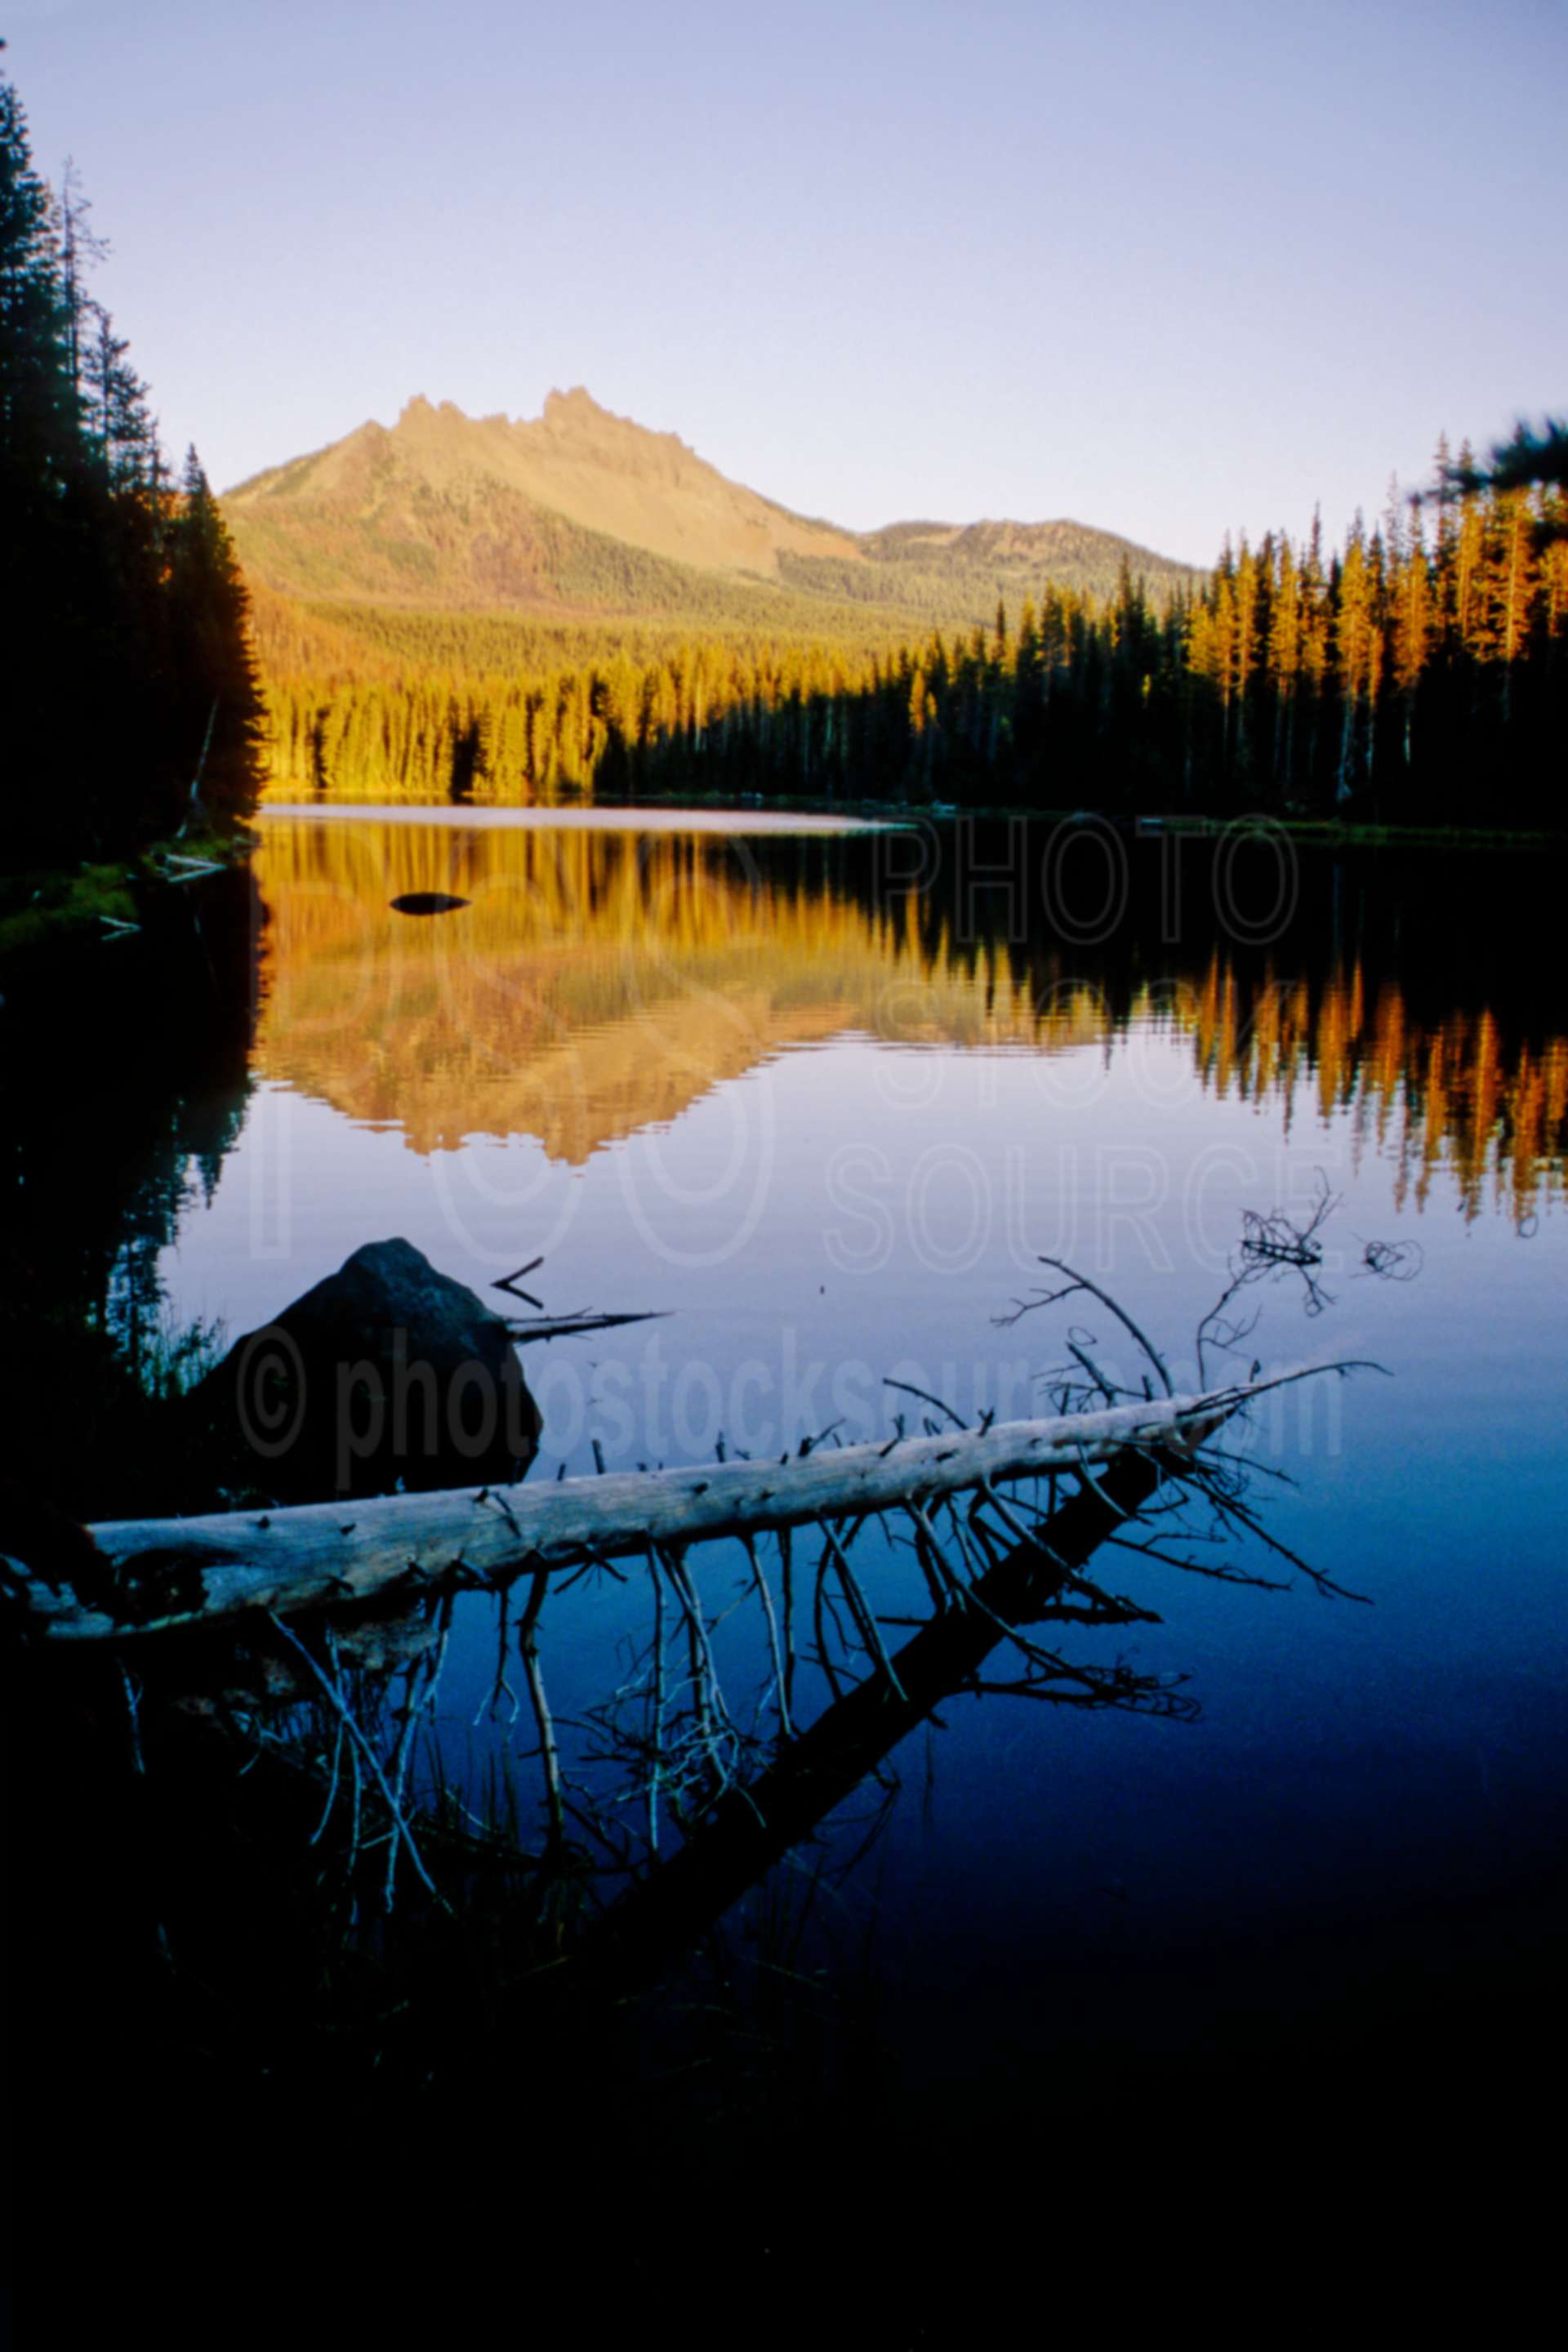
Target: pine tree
(35, 396)
(216, 703)
(1354, 626)
(81, 247)
(1284, 656)
(132, 624)
(1413, 629)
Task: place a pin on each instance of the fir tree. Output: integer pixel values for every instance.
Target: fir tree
(126, 666)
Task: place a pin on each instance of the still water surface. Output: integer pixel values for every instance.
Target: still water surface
(828, 1095)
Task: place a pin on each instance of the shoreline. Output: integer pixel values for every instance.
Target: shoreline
(860, 814)
(52, 910)
(59, 907)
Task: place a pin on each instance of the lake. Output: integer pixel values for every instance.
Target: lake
(823, 1096)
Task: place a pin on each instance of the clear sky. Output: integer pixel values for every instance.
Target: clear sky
(1170, 268)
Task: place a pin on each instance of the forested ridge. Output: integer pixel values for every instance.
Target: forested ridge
(529, 562)
(1418, 673)
(949, 576)
(126, 668)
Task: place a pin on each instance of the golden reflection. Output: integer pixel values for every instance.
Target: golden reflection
(1443, 1098)
(598, 982)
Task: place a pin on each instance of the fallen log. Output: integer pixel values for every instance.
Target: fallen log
(161, 1573)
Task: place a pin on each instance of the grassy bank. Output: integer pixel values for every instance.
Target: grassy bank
(64, 907)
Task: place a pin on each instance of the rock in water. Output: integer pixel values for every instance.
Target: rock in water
(386, 1370)
(426, 902)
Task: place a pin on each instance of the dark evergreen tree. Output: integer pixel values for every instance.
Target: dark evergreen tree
(35, 419)
(216, 699)
(125, 663)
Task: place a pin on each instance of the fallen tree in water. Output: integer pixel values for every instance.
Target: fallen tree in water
(159, 1574)
(777, 1631)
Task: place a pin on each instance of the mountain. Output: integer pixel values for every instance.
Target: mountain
(578, 514)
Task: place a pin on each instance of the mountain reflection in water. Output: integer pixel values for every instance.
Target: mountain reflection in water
(600, 981)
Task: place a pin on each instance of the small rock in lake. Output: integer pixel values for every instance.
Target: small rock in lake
(427, 902)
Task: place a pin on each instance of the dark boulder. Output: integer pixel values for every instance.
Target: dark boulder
(426, 902)
(386, 1372)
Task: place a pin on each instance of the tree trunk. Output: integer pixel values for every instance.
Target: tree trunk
(160, 1573)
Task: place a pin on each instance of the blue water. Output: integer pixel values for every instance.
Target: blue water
(852, 1172)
